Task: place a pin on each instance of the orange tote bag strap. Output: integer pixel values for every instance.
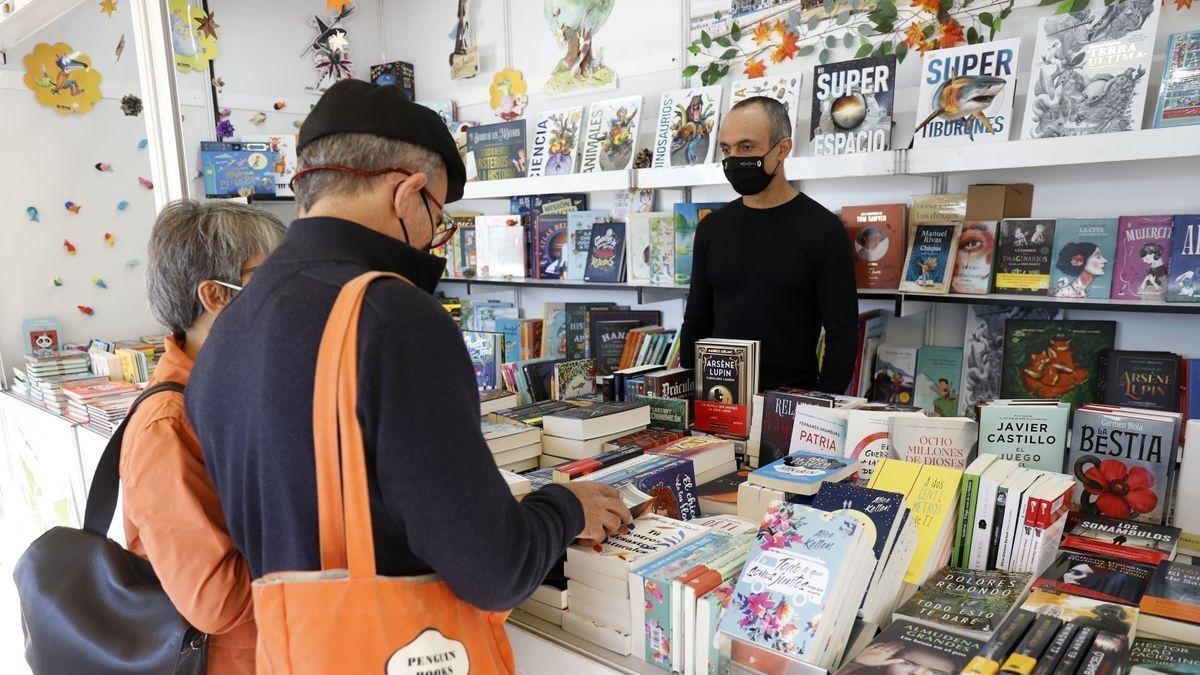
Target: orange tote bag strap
(343, 503)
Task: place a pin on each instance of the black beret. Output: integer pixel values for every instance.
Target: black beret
(357, 107)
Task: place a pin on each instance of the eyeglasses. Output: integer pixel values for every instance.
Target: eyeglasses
(443, 228)
(222, 283)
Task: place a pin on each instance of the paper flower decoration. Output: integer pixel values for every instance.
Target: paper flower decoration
(62, 78)
(109, 239)
(73, 207)
(57, 282)
(85, 310)
(131, 105)
(225, 130)
(69, 246)
(507, 93)
(145, 183)
(193, 44)
(33, 214)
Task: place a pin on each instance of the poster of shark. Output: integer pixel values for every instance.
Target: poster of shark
(967, 93)
(1090, 70)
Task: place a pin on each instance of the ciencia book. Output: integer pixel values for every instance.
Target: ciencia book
(1084, 249)
(973, 262)
(1184, 274)
(1143, 258)
(1055, 359)
(610, 134)
(1090, 71)
(852, 106)
(555, 142)
(966, 95)
(687, 218)
(1023, 263)
(1179, 92)
(686, 132)
(877, 234)
(496, 151)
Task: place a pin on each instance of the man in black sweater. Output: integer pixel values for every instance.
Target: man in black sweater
(375, 170)
(773, 266)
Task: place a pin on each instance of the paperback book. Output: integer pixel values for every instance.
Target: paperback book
(966, 95)
(486, 351)
(555, 142)
(606, 258)
(1034, 436)
(1055, 359)
(973, 262)
(550, 246)
(687, 218)
(1149, 380)
(1084, 249)
(1023, 262)
(496, 151)
(930, 259)
(1123, 539)
(1152, 655)
(1097, 576)
(922, 647)
(983, 345)
(852, 106)
(579, 240)
(237, 169)
(1184, 274)
(637, 256)
(894, 380)
(937, 381)
(971, 602)
(1179, 92)
(610, 135)
(662, 250)
(1171, 605)
(1086, 612)
(1072, 53)
(1143, 258)
(687, 126)
(802, 473)
(877, 234)
(947, 441)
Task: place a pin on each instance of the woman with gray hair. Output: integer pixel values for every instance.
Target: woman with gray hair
(200, 255)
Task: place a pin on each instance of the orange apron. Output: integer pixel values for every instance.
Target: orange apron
(344, 618)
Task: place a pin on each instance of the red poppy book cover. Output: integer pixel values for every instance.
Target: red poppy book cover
(1121, 458)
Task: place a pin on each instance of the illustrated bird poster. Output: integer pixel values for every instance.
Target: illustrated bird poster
(193, 37)
(967, 94)
(62, 78)
(574, 24)
(687, 127)
(330, 50)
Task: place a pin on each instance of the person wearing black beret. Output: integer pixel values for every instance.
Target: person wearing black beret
(373, 176)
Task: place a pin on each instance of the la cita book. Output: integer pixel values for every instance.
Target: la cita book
(1179, 93)
(973, 602)
(610, 134)
(973, 262)
(877, 234)
(1025, 249)
(1084, 249)
(687, 218)
(606, 258)
(1143, 258)
(555, 144)
(852, 106)
(921, 647)
(1097, 576)
(1055, 359)
(687, 126)
(1063, 59)
(1184, 274)
(496, 151)
(966, 95)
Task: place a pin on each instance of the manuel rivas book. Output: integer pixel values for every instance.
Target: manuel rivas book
(687, 127)
(852, 106)
(931, 258)
(967, 94)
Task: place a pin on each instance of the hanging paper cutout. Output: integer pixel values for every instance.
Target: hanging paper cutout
(142, 144)
(109, 239)
(62, 78)
(331, 51)
(33, 214)
(507, 92)
(69, 246)
(218, 83)
(464, 60)
(258, 118)
(103, 166)
(73, 207)
(131, 105)
(132, 264)
(99, 283)
(337, 5)
(57, 282)
(280, 105)
(207, 25)
(85, 310)
(145, 183)
(120, 47)
(193, 49)
(107, 7)
(122, 205)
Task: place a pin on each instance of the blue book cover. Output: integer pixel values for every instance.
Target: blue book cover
(671, 488)
(929, 262)
(496, 151)
(1179, 93)
(558, 205)
(606, 258)
(511, 330)
(687, 219)
(883, 508)
(550, 247)
(485, 350)
(803, 472)
(785, 586)
(1084, 253)
(579, 240)
(1193, 385)
(42, 336)
(237, 169)
(1184, 275)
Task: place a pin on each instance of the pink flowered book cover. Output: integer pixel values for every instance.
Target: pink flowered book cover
(785, 585)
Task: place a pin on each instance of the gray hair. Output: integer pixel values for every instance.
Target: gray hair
(781, 123)
(365, 152)
(193, 242)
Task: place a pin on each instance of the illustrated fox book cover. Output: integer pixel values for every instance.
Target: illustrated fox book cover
(852, 106)
(983, 344)
(1055, 359)
(877, 234)
(967, 94)
(1143, 258)
(687, 127)
(1090, 70)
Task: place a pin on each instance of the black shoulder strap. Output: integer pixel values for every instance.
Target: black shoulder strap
(102, 495)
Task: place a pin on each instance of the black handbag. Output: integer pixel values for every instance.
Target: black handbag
(90, 606)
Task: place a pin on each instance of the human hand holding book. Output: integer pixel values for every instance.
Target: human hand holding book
(604, 512)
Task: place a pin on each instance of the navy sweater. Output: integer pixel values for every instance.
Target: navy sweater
(437, 501)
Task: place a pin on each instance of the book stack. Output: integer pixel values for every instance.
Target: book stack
(1170, 607)
(711, 457)
(720, 496)
(581, 432)
(50, 371)
(106, 414)
(932, 493)
(548, 602)
(660, 483)
(895, 541)
(493, 400)
(970, 602)
(726, 379)
(139, 360)
(603, 571)
(81, 396)
(1030, 432)
(518, 485)
(614, 452)
(530, 414)
(1010, 517)
(778, 416)
(795, 477)
(515, 447)
(796, 601)
(1150, 655)
(664, 593)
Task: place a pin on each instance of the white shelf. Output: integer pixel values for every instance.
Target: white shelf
(544, 185)
(887, 163)
(681, 176)
(1125, 146)
(29, 17)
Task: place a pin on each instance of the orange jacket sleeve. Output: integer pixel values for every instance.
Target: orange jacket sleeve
(171, 501)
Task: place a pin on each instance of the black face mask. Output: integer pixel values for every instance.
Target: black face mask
(748, 175)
